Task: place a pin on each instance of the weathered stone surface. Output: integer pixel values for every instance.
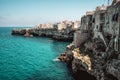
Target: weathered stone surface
(54, 34)
(62, 57)
(104, 65)
(18, 32)
(113, 68)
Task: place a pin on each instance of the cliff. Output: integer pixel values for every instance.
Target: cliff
(94, 53)
(61, 31)
(54, 34)
(91, 61)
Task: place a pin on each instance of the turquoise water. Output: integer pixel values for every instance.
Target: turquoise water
(24, 58)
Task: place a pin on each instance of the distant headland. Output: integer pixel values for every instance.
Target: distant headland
(62, 31)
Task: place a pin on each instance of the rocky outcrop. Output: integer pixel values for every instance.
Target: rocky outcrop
(62, 57)
(61, 31)
(84, 59)
(62, 38)
(113, 68)
(92, 58)
(24, 32)
(18, 32)
(54, 34)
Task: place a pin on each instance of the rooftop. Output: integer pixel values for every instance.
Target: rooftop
(90, 12)
(103, 7)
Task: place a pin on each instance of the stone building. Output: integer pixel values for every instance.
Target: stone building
(87, 21)
(80, 37)
(61, 26)
(90, 20)
(85, 29)
(45, 26)
(76, 24)
(83, 23)
(113, 17)
(113, 24)
(100, 17)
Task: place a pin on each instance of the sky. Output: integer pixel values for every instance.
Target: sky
(33, 12)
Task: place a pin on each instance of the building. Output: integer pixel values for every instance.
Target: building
(61, 26)
(113, 24)
(87, 21)
(104, 22)
(100, 19)
(83, 34)
(76, 24)
(80, 37)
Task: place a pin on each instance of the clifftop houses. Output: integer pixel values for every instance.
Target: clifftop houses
(62, 31)
(96, 46)
(103, 23)
(60, 25)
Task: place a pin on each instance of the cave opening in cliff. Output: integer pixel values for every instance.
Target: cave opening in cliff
(83, 75)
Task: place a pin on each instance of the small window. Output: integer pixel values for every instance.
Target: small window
(116, 17)
(113, 18)
(93, 20)
(97, 26)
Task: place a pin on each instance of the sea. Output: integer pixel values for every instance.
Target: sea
(31, 58)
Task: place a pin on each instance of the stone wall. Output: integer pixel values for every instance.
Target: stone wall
(80, 37)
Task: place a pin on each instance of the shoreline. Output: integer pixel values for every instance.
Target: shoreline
(30, 33)
(61, 31)
(94, 53)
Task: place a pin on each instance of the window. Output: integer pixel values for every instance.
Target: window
(115, 17)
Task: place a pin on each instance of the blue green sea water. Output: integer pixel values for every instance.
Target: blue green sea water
(25, 58)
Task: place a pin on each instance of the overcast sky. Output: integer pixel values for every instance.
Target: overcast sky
(32, 12)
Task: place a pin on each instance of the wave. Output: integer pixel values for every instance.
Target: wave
(56, 59)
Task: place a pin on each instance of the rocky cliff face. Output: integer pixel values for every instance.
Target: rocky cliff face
(54, 34)
(92, 61)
